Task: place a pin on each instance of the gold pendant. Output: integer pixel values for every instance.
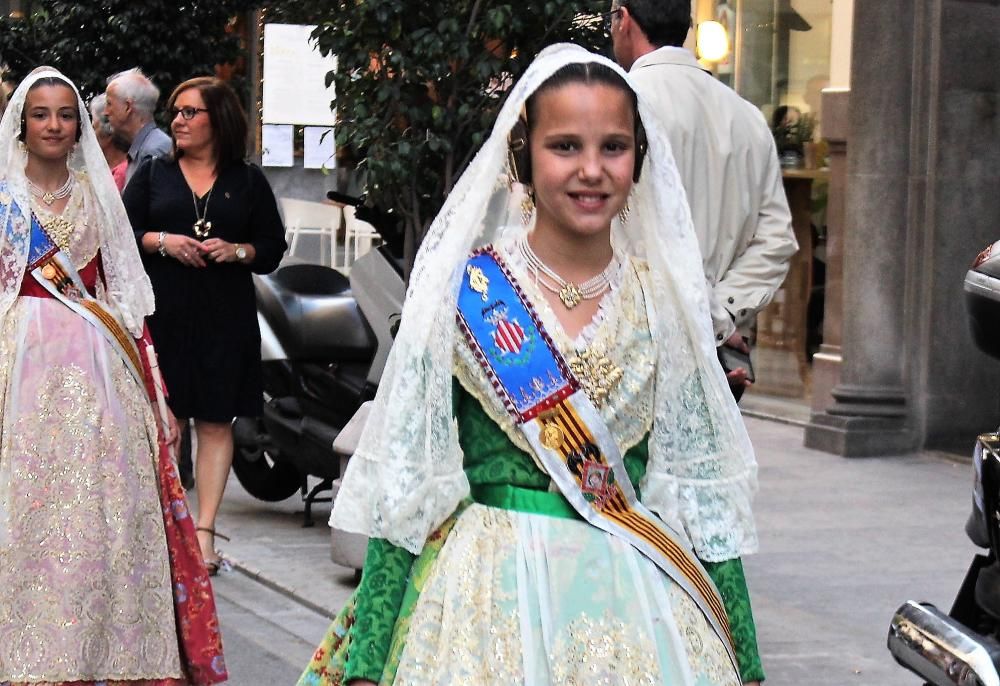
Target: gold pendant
(48, 198)
(202, 228)
(570, 295)
(479, 282)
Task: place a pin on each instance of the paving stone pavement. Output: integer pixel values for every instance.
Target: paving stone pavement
(843, 543)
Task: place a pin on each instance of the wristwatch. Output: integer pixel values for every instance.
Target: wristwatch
(241, 252)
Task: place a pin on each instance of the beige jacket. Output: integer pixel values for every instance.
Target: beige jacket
(729, 168)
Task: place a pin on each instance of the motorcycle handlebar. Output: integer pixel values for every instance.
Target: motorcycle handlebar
(386, 223)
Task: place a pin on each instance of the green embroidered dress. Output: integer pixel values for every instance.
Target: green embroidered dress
(515, 587)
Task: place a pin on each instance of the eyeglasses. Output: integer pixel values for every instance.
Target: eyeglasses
(607, 17)
(188, 113)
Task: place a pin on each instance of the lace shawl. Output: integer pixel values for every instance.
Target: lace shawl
(406, 476)
(128, 287)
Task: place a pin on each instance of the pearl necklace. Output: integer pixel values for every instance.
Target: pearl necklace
(49, 197)
(569, 293)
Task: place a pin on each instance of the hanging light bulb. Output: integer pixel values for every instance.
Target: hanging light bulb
(712, 41)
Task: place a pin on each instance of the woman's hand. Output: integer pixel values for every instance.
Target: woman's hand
(184, 249)
(173, 436)
(218, 250)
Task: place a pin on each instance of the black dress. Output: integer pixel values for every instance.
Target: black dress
(205, 325)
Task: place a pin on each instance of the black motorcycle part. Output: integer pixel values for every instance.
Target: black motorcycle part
(304, 442)
(984, 321)
(263, 477)
(988, 590)
(311, 311)
(965, 608)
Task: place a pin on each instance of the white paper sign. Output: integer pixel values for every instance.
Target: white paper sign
(294, 71)
(319, 147)
(276, 141)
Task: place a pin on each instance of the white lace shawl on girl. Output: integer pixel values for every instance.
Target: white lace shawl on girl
(128, 287)
(406, 477)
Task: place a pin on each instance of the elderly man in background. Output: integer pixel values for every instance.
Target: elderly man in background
(728, 165)
(131, 102)
(112, 145)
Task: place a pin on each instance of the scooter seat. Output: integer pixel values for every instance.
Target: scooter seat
(314, 315)
(310, 279)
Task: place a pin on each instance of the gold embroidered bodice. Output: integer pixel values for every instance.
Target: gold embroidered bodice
(614, 357)
(71, 229)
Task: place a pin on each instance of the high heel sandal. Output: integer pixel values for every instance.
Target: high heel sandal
(213, 566)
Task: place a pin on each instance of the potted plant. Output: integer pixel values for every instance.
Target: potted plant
(793, 136)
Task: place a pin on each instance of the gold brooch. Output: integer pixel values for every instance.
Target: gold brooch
(596, 373)
(479, 282)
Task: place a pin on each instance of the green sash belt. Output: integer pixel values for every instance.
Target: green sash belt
(529, 500)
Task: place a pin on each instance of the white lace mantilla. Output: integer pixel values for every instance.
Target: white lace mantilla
(106, 224)
(406, 476)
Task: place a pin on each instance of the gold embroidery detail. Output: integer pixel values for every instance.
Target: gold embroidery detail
(83, 497)
(604, 651)
(597, 374)
(60, 230)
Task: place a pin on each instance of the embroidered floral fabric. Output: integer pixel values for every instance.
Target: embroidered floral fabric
(76, 416)
(732, 584)
(491, 459)
(461, 587)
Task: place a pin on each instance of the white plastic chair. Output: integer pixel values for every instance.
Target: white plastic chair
(313, 218)
(359, 236)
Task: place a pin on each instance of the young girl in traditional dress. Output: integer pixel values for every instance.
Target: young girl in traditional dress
(101, 580)
(554, 473)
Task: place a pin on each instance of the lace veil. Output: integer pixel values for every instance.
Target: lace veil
(128, 287)
(406, 476)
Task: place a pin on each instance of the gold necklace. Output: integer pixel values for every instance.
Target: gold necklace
(571, 294)
(202, 227)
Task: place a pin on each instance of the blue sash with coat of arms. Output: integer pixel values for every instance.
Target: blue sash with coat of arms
(565, 429)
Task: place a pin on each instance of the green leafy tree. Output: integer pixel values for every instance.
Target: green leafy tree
(418, 85)
(89, 41)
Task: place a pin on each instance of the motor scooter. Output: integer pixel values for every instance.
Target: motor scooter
(324, 343)
(962, 648)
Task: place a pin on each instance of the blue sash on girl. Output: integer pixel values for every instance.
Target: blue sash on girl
(54, 270)
(565, 430)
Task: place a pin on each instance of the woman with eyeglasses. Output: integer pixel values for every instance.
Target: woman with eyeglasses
(205, 221)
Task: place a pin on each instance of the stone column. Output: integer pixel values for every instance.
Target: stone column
(826, 362)
(870, 412)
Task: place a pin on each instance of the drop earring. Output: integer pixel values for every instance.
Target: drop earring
(527, 204)
(623, 213)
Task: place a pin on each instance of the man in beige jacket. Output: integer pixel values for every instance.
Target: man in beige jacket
(727, 160)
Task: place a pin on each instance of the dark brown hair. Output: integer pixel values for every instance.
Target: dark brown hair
(229, 123)
(575, 72)
(50, 81)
